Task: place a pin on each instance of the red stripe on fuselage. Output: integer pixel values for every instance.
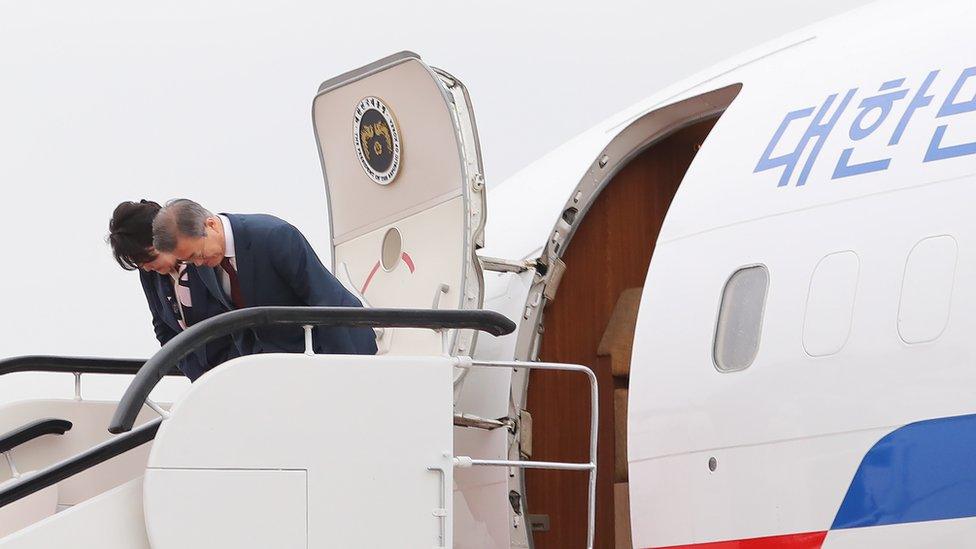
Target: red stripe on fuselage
(809, 540)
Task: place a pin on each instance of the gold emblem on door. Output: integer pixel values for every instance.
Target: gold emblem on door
(377, 140)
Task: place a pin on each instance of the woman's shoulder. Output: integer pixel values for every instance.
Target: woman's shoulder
(150, 280)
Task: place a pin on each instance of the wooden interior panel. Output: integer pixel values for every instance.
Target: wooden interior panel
(618, 339)
(621, 505)
(609, 253)
(620, 472)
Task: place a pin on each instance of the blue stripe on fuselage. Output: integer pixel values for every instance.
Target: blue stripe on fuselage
(922, 471)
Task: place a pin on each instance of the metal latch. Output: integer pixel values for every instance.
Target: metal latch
(539, 523)
(500, 265)
(553, 277)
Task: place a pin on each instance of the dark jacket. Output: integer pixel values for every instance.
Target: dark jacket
(207, 302)
(277, 266)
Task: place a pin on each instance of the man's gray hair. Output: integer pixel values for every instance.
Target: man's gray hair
(180, 217)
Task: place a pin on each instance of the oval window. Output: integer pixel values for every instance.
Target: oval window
(740, 319)
(830, 304)
(926, 289)
(392, 249)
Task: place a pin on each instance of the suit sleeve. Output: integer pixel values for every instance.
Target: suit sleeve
(297, 263)
(163, 332)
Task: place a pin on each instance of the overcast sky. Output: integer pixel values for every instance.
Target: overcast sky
(108, 101)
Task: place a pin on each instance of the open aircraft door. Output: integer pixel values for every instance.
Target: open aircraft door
(403, 173)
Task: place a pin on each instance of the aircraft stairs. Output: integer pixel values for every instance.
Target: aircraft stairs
(275, 450)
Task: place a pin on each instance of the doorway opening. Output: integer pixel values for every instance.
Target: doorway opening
(592, 322)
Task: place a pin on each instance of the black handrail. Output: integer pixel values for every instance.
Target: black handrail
(72, 364)
(54, 474)
(32, 430)
(221, 325)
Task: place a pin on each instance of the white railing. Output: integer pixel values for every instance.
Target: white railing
(465, 461)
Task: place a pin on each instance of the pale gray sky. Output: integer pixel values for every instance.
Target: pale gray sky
(108, 101)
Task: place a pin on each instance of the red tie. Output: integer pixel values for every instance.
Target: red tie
(235, 286)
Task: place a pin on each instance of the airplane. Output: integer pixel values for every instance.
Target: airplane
(736, 314)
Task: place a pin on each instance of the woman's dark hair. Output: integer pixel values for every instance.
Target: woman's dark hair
(130, 233)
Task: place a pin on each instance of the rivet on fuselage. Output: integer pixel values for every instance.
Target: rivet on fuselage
(712, 464)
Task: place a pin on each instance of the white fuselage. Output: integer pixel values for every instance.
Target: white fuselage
(867, 236)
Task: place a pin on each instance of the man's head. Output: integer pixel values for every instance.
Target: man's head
(130, 235)
(190, 232)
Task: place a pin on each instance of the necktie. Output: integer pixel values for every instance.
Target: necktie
(235, 286)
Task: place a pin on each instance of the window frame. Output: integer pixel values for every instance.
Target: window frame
(718, 318)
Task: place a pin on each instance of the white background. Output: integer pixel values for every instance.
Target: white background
(108, 101)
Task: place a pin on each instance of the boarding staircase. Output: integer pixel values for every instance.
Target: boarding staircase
(284, 450)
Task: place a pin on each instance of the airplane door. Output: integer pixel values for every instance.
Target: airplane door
(403, 174)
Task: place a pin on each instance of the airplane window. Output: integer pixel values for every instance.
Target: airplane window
(830, 304)
(926, 290)
(740, 319)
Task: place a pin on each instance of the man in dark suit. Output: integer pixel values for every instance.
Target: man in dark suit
(261, 260)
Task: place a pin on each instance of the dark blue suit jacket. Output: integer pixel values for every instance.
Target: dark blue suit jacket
(206, 303)
(277, 266)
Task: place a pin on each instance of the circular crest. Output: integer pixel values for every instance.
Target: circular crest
(377, 140)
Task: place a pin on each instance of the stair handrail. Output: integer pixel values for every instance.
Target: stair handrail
(32, 430)
(72, 365)
(306, 317)
(53, 474)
